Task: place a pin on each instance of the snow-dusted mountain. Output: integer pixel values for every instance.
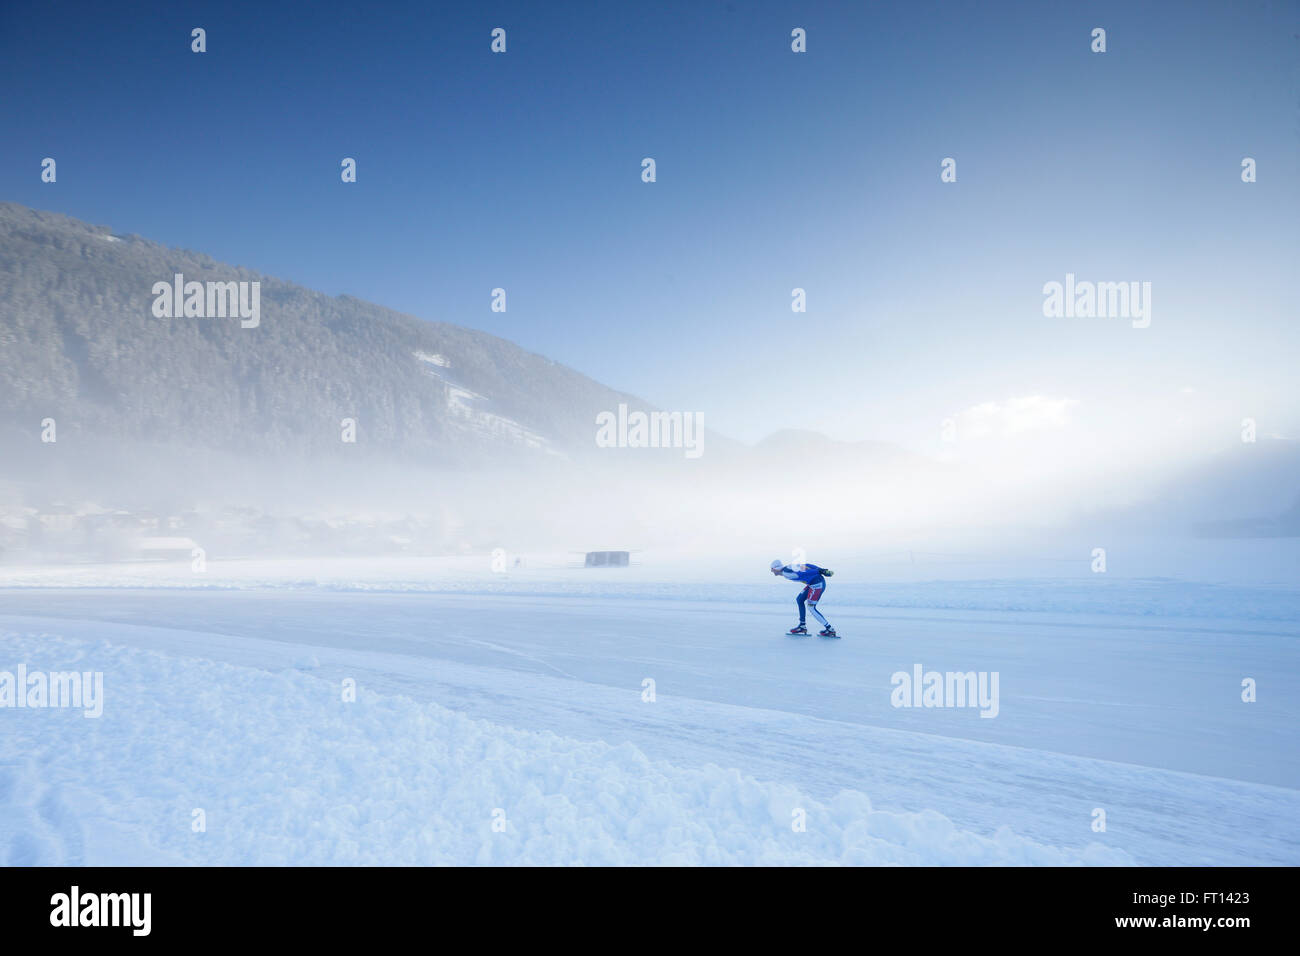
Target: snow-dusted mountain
(80, 344)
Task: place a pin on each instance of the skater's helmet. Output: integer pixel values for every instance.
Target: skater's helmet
(777, 564)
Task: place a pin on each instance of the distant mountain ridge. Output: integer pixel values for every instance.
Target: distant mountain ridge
(79, 344)
(797, 444)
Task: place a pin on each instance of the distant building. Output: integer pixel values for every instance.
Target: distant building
(607, 559)
(166, 549)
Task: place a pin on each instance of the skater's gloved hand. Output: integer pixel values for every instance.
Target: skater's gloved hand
(828, 573)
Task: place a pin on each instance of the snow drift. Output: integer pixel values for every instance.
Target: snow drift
(283, 771)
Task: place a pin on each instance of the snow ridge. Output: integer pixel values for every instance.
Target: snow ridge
(284, 771)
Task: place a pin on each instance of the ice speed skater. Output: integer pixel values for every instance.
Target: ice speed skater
(813, 579)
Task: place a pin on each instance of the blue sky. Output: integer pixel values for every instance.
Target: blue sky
(775, 170)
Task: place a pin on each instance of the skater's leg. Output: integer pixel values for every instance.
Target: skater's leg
(803, 596)
(814, 595)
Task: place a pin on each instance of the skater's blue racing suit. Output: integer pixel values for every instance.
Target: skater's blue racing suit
(811, 576)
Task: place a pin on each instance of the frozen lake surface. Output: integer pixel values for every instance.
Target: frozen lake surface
(521, 698)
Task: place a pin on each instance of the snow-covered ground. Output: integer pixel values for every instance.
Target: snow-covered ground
(655, 714)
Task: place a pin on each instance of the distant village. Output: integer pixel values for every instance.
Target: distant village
(87, 532)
